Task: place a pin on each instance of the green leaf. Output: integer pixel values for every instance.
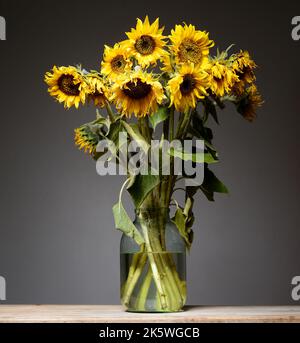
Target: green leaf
(158, 117)
(210, 108)
(112, 134)
(184, 224)
(209, 195)
(135, 134)
(212, 183)
(98, 114)
(199, 130)
(197, 157)
(124, 224)
(141, 187)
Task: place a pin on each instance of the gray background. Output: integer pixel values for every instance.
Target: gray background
(57, 238)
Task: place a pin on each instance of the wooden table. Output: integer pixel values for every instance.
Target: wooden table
(116, 314)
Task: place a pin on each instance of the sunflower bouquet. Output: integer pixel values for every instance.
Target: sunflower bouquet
(152, 86)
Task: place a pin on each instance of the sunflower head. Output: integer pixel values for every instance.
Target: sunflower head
(67, 85)
(98, 92)
(137, 93)
(222, 77)
(243, 66)
(86, 138)
(115, 61)
(249, 103)
(145, 43)
(188, 86)
(189, 44)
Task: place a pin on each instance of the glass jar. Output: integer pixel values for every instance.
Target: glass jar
(153, 275)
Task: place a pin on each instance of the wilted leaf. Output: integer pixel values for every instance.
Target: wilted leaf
(183, 224)
(141, 187)
(159, 116)
(124, 223)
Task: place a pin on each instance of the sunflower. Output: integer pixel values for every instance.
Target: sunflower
(167, 63)
(98, 91)
(249, 103)
(86, 139)
(189, 44)
(67, 85)
(115, 61)
(187, 86)
(243, 66)
(137, 93)
(146, 42)
(222, 77)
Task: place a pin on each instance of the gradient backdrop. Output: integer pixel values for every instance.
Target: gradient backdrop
(57, 238)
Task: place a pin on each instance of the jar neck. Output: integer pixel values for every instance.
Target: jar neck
(152, 213)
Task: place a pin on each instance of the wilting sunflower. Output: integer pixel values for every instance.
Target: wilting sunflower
(188, 86)
(222, 77)
(67, 85)
(86, 139)
(146, 42)
(115, 61)
(137, 93)
(189, 44)
(249, 103)
(243, 66)
(97, 91)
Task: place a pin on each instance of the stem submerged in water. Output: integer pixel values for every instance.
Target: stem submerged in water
(154, 267)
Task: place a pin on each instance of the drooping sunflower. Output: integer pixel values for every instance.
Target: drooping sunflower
(222, 77)
(187, 86)
(189, 44)
(67, 85)
(137, 93)
(243, 66)
(146, 42)
(97, 91)
(86, 139)
(249, 103)
(115, 61)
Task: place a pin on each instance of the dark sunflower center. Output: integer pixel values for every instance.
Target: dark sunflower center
(97, 93)
(145, 45)
(218, 79)
(189, 51)
(118, 63)
(187, 85)
(138, 90)
(244, 73)
(66, 85)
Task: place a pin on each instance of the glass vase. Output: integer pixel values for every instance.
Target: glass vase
(153, 276)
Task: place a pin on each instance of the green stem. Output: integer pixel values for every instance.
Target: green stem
(183, 124)
(171, 291)
(156, 275)
(131, 271)
(144, 128)
(137, 273)
(109, 111)
(163, 264)
(141, 300)
(171, 124)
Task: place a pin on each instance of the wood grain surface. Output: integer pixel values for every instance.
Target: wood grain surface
(116, 314)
